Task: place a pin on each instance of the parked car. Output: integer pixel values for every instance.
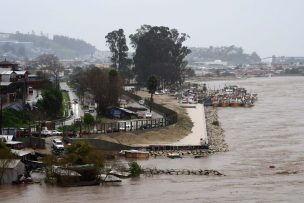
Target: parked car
(46, 133)
(141, 102)
(91, 109)
(57, 143)
(56, 132)
(140, 114)
(57, 146)
(148, 114)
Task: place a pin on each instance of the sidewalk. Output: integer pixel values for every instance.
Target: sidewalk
(199, 130)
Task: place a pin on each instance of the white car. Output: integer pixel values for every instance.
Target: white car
(141, 102)
(56, 132)
(46, 132)
(148, 114)
(57, 144)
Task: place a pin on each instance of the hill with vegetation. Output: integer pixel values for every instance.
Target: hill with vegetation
(232, 55)
(32, 45)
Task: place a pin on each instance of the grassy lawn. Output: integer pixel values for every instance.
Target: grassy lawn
(65, 103)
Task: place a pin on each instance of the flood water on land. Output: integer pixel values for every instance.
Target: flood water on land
(270, 133)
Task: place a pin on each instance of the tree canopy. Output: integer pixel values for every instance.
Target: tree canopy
(116, 40)
(51, 102)
(51, 63)
(159, 52)
(88, 119)
(105, 85)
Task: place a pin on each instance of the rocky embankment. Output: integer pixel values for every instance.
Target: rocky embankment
(216, 139)
(154, 171)
(215, 132)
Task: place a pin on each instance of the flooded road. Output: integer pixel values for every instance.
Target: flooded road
(270, 133)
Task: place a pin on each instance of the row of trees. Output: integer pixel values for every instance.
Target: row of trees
(105, 85)
(159, 51)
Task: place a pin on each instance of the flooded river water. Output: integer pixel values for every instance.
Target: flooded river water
(270, 133)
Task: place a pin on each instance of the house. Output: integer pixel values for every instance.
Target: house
(13, 82)
(8, 65)
(121, 113)
(10, 170)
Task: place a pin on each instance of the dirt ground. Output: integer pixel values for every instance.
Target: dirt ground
(169, 134)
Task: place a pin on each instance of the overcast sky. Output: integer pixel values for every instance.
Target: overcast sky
(265, 26)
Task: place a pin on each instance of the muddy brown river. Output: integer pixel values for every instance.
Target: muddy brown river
(270, 133)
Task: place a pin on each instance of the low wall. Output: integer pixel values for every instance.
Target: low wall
(32, 142)
(102, 144)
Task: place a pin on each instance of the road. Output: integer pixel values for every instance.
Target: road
(76, 107)
(79, 112)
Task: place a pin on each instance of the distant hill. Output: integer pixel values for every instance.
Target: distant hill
(31, 45)
(233, 55)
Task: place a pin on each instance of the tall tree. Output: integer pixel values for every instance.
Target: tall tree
(159, 52)
(116, 40)
(105, 85)
(114, 87)
(51, 63)
(152, 86)
(51, 102)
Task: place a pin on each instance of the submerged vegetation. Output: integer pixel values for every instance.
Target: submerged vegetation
(135, 169)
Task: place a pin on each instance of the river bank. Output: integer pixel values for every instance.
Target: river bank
(216, 139)
(269, 134)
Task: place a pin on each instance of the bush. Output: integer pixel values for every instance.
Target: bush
(215, 123)
(135, 169)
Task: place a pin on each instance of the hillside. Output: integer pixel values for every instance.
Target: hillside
(232, 55)
(31, 45)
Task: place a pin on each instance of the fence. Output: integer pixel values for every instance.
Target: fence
(169, 118)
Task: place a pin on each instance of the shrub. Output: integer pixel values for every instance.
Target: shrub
(135, 169)
(215, 123)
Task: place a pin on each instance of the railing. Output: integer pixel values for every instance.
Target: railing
(169, 118)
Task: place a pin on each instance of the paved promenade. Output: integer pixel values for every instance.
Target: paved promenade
(199, 130)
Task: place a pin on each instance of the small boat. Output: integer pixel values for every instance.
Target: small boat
(215, 103)
(174, 155)
(135, 154)
(225, 103)
(109, 179)
(120, 174)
